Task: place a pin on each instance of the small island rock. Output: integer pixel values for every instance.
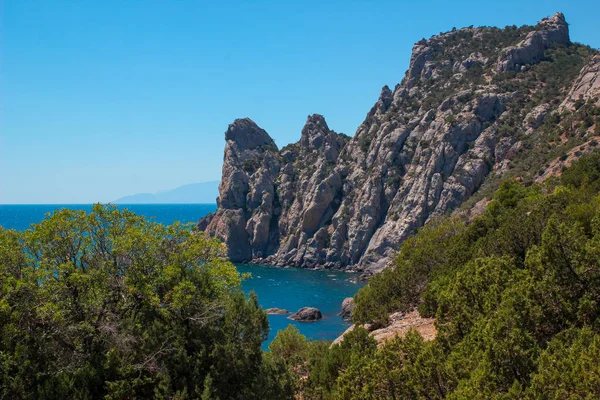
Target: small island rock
(276, 310)
(306, 314)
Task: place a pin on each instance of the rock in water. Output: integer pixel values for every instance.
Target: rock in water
(276, 310)
(347, 307)
(306, 314)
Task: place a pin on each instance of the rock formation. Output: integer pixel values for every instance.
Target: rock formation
(400, 324)
(586, 86)
(306, 314)
(548, 32)
(470, 104)
(276, 311)
(347, 307)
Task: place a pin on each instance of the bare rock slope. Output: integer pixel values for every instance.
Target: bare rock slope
(471, 105)
(400, 323)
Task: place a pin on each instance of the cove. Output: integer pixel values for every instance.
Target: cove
(294, 288)
(289, 288)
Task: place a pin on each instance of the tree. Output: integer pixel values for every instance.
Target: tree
(515, 293)
(568, 368)
(111, 305)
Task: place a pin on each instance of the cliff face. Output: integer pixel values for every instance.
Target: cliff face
(586, 87)
(468, 104)
(275, 206)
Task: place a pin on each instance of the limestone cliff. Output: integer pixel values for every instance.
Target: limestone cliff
(471, 103)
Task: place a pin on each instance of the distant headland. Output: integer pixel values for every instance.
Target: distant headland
(202, 192)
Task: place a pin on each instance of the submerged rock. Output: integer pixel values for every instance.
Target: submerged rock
(276, 310)
(306, 314)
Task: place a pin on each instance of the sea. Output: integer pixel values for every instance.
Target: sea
(287, 288)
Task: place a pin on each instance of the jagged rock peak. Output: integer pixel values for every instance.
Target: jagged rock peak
(530, 50)
(556, 28)
(313, 132)
(557, 19)
(247, 135)
(318, 138)
(385, 97)
(383, 102)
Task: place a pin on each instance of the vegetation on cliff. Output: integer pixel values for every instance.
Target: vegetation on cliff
(476, 106)
(515, 294)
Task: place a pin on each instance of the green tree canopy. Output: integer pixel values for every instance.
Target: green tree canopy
(516, 297)
(111, 305)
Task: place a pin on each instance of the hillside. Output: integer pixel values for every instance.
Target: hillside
(477, 105)
(514, 297)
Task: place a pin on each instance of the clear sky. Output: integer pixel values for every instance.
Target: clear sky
(102, 98)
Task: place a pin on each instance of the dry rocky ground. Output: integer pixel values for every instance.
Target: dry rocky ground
(399, 325)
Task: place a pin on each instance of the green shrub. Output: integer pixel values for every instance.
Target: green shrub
(111, 305)
(515, 294)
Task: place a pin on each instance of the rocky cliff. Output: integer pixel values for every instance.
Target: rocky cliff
(472, 106)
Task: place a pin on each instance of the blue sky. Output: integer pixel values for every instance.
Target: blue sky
(101, 98)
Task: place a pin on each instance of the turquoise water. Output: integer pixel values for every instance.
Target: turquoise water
(289, 288)
(294, 288)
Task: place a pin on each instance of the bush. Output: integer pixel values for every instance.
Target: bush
(110, 305)
(250, 165)
(515, 294)
(584, 173)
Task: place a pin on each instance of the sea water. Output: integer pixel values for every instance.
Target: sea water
(294, 288)
(287, 288)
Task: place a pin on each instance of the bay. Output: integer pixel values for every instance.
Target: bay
(288, 288)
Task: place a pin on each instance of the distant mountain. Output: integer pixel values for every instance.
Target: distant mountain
(203, 192)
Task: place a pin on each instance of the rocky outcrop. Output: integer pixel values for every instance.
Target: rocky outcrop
(531, 50)
(586, 86)
(347, 307)
(274, 205)
(247, 192)
(474, 59)
(400, 324)
(535, 117)
(424, 148)
(276, 311)
(306, 314)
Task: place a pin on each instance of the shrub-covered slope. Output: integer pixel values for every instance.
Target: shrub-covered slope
(516, 297)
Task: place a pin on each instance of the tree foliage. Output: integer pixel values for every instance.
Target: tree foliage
(515, 294)
(110, 305)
